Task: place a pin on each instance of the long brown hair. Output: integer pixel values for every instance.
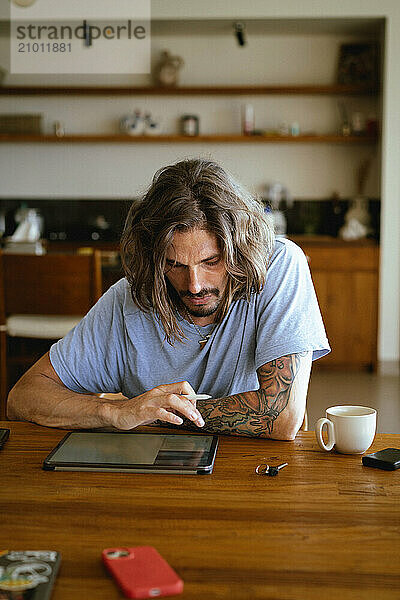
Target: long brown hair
(195, 193)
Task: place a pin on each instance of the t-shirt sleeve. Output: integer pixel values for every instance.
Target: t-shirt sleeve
(288, 316)
(90, 357)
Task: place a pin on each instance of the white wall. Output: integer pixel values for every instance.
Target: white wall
(309, 171)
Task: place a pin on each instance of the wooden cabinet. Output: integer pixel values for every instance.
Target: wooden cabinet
(345, 276)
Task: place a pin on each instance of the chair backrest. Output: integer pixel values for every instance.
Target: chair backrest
(54, 284)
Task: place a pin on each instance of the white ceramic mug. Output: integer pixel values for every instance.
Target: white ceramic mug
(351, 429)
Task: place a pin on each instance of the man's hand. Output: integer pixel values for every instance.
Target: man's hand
(162, 403)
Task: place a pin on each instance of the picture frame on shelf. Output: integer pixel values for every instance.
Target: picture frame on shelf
(358, 64)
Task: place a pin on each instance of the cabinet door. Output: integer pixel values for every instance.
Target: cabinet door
(348, 302)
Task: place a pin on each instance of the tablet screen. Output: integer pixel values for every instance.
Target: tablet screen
(128, 450)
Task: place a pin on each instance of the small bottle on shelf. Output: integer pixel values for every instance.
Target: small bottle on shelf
(247, 119)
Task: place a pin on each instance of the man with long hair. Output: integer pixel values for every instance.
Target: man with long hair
(210, 304)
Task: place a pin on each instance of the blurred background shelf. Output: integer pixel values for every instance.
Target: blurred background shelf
(157, 139)
(335, 90)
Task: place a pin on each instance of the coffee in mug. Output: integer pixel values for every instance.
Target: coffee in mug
(351, 429)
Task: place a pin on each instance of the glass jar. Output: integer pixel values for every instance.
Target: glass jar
(190, 125)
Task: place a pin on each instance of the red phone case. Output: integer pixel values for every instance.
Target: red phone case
(142, 572)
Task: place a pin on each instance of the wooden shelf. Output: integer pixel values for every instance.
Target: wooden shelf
(159, 139)
(338, 89)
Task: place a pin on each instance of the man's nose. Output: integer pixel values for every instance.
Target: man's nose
(193, 281)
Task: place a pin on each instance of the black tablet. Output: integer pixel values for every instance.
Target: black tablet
(131, 452)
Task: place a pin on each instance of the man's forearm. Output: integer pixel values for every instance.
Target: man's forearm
(39, 399)
(249, 414)
(275, 410)
(40, 396)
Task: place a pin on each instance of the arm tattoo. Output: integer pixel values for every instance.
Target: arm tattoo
(253, 413)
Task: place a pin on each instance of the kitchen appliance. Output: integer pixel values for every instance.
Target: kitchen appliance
(278, 199)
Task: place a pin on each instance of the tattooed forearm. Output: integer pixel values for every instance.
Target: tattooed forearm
(254, 413)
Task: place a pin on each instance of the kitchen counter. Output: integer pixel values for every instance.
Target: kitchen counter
(330, 241)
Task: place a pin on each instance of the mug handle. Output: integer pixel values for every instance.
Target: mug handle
(331, 434)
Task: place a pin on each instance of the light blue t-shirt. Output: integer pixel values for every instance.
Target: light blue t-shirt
(119, 348)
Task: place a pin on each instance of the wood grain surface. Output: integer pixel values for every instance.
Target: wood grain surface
(326, 527)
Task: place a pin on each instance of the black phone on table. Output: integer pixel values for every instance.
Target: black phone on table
(387, 459)
(4, 435)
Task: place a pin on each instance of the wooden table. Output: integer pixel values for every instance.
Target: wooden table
(325, 528)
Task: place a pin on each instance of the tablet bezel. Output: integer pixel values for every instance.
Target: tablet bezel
(130, 468)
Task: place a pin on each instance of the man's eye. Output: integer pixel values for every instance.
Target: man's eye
(214, 262)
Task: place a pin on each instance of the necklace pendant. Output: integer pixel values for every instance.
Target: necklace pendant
(204, 339)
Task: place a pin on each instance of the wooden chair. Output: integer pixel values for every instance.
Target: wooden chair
(43, 297)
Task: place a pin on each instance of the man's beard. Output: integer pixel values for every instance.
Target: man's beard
(202, 310)
(195, 311)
